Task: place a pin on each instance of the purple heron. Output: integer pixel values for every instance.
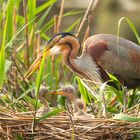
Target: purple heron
(101, 54)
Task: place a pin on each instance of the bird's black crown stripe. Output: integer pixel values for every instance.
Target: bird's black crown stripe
(63, 34)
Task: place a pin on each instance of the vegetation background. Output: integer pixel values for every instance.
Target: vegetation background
(25, 26)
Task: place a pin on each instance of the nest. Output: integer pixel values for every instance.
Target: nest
(66, 128)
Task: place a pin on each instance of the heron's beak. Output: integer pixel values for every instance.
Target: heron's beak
(51, 48)
(47, 51)
(37, 62)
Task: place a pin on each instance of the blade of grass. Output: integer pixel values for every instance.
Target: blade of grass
(43, 17)
(50, 23)
(73, 25)
(83, 91)
(47, 26)
(44, 6)
(127, 118)
(20, 20)
(22, 28)
(40, 77)
(38, 83)
(7, 30)
(131, 26)
(102, 93)
(7, 65)
(52, 113)
(22, 96)
(73, 12)
(45, 36)
(31, 12)
(17, 3)
(2, 66)
(9, 16)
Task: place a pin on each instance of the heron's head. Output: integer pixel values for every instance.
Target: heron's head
(60, 43)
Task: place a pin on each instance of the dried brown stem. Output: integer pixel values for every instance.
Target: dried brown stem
(14, 59)
(26, 32)
(105, 114)
(38, 40)
(87, 33)
(72, 123)
(55, 23)
(60, 16)
(124, 99)
(58, 127)
(93, 5)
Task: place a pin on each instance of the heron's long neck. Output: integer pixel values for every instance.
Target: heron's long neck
(69, 55)
(83, 66)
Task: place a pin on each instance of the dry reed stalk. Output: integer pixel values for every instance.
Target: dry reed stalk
(26, 33)
(15, 78)
(93, 4)
(55, 23)
(58, 127)
(124, 99)
(38, 42)
(87, 33)
(105, 113)
(57, 26)
(30, 37)
(14, 58)
(53, 57)
(60, 16)
(129, 110)
(20, 47)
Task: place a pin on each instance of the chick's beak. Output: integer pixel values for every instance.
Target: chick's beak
(63, 93)
(37, 62)
(57, 92)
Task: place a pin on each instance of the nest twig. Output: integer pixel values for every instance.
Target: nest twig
(59, 127)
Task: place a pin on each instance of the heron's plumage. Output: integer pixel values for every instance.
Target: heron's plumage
(117, 56)
(101, 54)
(89, 67)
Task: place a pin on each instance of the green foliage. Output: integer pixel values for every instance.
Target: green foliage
(18, 93)
(127, 118)
(130, 23)
(61, 100)
(84, 92)
(39, 79)
(7, 65)
(16, 29)
(134, 98)
(73, 25)
(18, 137)
(45, 5)
(7, 35)
(52, 113)
(2, 66)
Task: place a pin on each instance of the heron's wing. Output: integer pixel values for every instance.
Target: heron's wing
(122, 59)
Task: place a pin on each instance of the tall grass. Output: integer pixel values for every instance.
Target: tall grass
(23, 35)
